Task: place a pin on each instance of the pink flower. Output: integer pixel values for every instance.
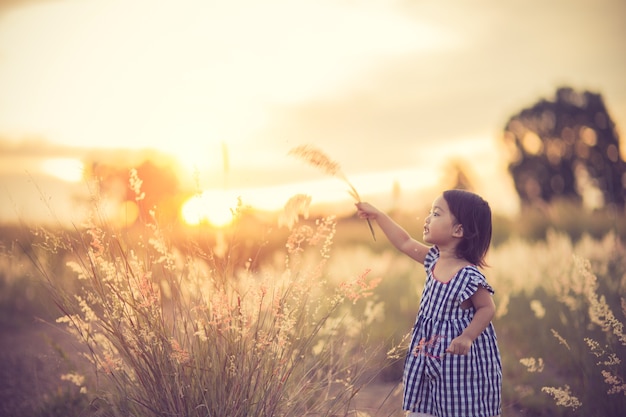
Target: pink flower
(360, 288)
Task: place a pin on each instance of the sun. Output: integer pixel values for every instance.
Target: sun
(215, 207)
(66, 169)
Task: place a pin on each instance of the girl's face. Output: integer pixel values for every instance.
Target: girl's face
(441, 227)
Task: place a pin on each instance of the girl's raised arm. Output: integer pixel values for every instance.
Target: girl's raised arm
(398, 237)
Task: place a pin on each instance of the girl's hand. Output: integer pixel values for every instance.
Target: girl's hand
(482, 302)
(366, 210)
(460, 345)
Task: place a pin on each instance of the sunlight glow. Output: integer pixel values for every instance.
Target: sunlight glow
(128, 213)
(215, 207)
(66, 169)
(206, 70)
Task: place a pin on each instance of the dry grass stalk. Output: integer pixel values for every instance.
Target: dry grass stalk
(160, 325)
(318, 158)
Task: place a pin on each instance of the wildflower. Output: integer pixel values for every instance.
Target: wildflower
(424, 345)
(232, 365)
(532, 364)
(179, 354)
(563, 396)
(74, 378)
(262, 290)
(324, 232)
(159, 243)
(537, 308)
(595, 347)
(148, 292)
(77, 269)
(135, 185)
(89, 316)
(612, 360)
(397, 351)
(560, 339)
(51, 242)
(359, 288)
(296, 206)
(599, 311)
(297, 237)
(96, 240)
(615, 382)
(110, 364)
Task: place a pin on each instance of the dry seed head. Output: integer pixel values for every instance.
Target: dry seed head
(316, 158)
(296, 206)
(533, 364)
(560, 339)
(319, 159)
(615, 382)
(563, 396)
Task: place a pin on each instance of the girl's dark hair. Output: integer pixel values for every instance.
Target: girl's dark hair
(474, 214)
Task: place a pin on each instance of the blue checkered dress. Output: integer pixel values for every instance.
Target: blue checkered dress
(448, 385)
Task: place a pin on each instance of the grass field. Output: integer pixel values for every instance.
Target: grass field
(262, 320)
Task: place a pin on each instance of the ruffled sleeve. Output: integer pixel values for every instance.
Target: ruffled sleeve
(473, 279)
(431, 258)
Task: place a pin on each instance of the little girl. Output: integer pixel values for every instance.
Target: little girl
(453, 366)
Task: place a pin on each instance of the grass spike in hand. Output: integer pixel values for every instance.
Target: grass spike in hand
(317, 158)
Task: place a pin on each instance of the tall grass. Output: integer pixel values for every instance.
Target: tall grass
(186, 330)
(562, 318)
(240, 323)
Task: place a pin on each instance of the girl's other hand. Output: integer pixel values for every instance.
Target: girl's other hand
(460, 345)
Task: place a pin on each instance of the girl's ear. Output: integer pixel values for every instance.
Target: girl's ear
(457, 231)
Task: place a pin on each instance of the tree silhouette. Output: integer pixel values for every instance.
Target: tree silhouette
(567, 148)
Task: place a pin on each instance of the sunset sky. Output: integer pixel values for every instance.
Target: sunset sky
(393, 90)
